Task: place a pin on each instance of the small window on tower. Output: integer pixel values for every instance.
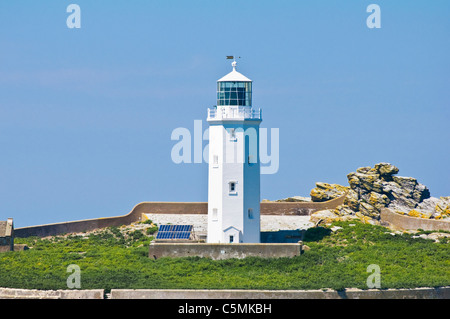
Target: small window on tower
(232, 186)
(250, 213)
(214, 214)
(215, 160)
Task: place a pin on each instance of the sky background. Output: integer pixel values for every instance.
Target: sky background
(86, 115)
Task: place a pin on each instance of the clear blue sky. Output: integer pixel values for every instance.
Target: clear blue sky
(86, 114)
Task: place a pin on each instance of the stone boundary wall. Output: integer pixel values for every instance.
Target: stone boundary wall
(81, 225)
(223, 251)
(298, 208)
(418, 293)
(351, 293)
(412, 223)
(266, 208)
(12, 293)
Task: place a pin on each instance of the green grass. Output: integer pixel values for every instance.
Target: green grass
(336, 260)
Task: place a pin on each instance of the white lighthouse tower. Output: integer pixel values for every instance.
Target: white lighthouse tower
(234, 168)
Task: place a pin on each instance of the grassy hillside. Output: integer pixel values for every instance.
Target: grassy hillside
(111, 259)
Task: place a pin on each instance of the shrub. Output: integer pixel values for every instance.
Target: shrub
(152, 230)
(137, 234)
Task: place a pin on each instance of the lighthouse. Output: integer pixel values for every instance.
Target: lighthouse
(234, 164)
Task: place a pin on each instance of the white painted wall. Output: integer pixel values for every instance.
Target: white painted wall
(233, 166)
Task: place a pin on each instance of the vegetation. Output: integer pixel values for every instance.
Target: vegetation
(113, 259)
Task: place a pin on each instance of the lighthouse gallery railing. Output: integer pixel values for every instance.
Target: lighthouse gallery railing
(237, 112)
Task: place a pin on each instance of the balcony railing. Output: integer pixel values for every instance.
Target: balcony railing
(234, 112)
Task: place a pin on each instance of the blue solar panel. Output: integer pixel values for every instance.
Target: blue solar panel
(174, 232)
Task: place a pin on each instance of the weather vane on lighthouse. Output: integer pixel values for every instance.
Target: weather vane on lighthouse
(234, 63)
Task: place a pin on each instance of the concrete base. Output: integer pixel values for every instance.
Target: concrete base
(223, 251)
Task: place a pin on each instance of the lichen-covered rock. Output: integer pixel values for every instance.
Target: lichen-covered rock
(368, 210)
(352, 200)
(414, 213)
(377, 187)
(363, 218)
(406, 183)
(367, 170)
(369, 181)
(402, 199)
(386, 169)
(445, 199)
(438, 208)
(426, 215)
(421, 192)
(378, 200)
(390, 187)
(343, 210)
(441, 210)
(326, 216)
(324, 192)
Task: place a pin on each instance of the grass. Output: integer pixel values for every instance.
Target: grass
(337, 260)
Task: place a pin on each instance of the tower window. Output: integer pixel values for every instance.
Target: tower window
(250, 213)
(215, 160)
(214, 214)
(232, 187)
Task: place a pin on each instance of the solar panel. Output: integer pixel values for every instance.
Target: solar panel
(174, 232)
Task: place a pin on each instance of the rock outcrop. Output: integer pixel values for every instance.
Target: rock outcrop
(324, 192)
(375, 188)
(372, 189)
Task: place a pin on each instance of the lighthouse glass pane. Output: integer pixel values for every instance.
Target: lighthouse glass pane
(234, 93)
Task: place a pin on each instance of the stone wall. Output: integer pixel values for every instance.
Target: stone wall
(419, 293)
(11, 293)
(134, 216)
(412, 223)
(266, 208)
(298, 208)
(223, 251)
